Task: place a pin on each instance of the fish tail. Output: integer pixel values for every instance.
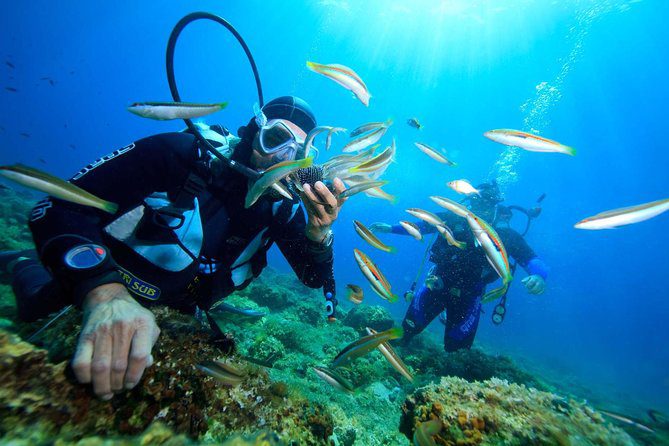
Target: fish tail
(570, 150)
(110, 207)
(495, 294)
(460, 245)
(222, 105)
(392, 250)
(395, 332)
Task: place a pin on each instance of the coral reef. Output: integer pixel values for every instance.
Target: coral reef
(496, 412)
(372, 316)
(39, 396)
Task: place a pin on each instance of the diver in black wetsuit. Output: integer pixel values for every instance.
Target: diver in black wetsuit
(458, 278)
(182, 237)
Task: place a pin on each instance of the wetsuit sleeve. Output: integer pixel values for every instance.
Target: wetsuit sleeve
(518, 248)
(125, 177)
(312, 262)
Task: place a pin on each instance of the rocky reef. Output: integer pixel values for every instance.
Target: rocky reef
(496, 412)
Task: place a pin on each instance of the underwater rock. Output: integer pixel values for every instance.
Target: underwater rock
(40, 399)
(372, 316)
(496, 412)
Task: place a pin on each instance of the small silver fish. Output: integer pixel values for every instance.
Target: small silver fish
(164, 111)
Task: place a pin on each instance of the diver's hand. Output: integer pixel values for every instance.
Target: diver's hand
(320, 217)
(381, 228)
(535, 284)
(116, 339)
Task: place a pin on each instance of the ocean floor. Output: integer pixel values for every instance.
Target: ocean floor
(477, 398)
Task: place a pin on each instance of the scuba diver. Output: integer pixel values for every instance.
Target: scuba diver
(458, 278)
(182, 237)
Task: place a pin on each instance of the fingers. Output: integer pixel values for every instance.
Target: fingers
(101, 365)
(122, 334)
(140, 351)
(313, 206)
(339, 187)
(81, 364)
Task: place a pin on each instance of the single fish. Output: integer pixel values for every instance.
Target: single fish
(413, 122)
(423, 434)
(222, 372)
(463, 187)
(164, 111)
(334, 379)
(379, 163)
(446, 232)
(453, 206)
(426, 216)
(367, 139)
(367, 128)
(412, 229)
(273, 175)
(624, 216)
(361, 187)
(528, 141)
(432, 153)
(365, 345)
(354, 293)
(377, 280)
(43, 182)
(393, 358)
(12, 89)
(345, 77)
(25, 135)
(9, 64)
(318, 130)
(42, 160)
(495, 253)
(73, 147)
(230, 312)
(377, 192)
(627, 420)
(370, 238)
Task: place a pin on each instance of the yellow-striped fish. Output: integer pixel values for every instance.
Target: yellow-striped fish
(64, 190)
(446, 232)
(345, 77)
(164, 111)
(412, 229)
(426, 216)
(376, 279)
(453, 206)
(370, 238)
(624, 216)
(354, 293)
(495, 253)
(393, 358)
(528, 141)
(364, 345)
(432, 153)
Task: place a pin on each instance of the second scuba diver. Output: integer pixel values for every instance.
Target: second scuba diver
(182, 237)
(458, 278)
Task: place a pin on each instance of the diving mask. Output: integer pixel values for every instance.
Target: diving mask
(278, 137)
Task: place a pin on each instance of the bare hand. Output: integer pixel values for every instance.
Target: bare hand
(535, 284)
(115, 343)
(321, 216)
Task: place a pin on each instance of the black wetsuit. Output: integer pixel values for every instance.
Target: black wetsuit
(152, 252)
(465, 274)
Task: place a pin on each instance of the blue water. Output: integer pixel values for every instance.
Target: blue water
(591, 74)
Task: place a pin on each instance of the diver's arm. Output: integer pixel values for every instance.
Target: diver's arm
(536, 268)
(311, 261)
(124, 177)
(306, 243)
